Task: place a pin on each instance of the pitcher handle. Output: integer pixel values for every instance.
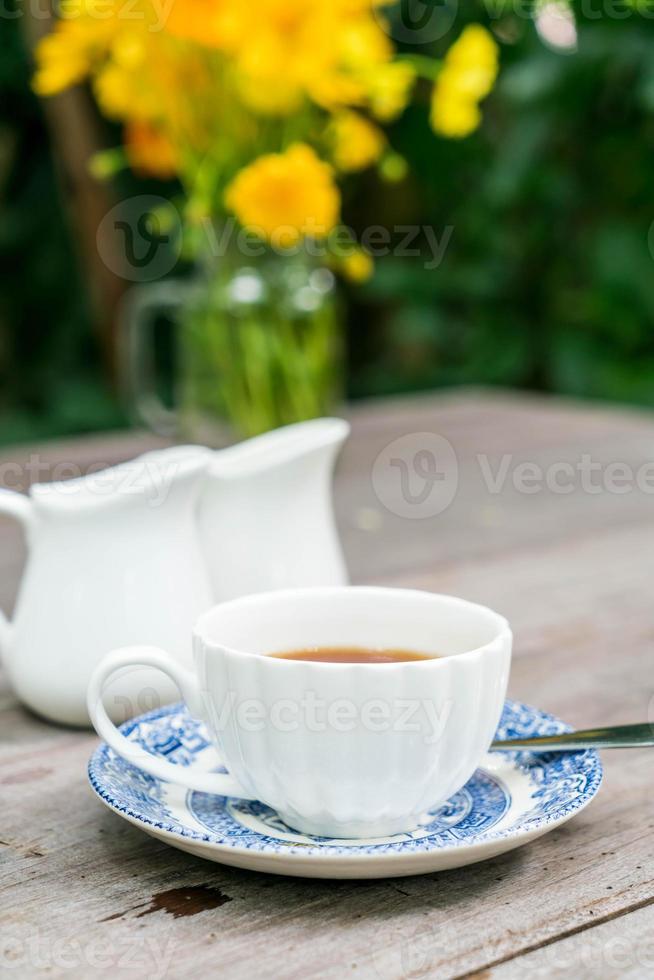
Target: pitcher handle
(142, 656)
(141, 306)
(18, 506)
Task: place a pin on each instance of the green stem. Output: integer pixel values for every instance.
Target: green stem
(423, 66)
(260, 367)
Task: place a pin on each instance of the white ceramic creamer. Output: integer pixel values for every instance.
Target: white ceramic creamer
(265, 516)
(135, 553)
(113, 558)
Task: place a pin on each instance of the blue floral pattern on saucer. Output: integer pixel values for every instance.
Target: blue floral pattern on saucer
(512, 796)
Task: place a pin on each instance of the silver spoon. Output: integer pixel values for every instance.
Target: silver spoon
(617, 737)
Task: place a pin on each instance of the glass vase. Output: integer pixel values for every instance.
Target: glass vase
(258, 346)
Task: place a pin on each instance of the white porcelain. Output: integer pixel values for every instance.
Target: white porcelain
(133, 554)
(265, 514)
(338, 750)
(113, 559)
(512, 798)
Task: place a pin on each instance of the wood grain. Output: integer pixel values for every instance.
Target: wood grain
(619, 949)
(84, 894)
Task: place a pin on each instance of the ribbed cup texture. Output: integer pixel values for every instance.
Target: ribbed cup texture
(355, 749)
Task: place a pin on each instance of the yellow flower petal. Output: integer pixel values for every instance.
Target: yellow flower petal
(467, 76)
(62, 59)
(358, 267)
(454, 117)
(149, 151)
(389, 89)
(286, 196)
(357, 143)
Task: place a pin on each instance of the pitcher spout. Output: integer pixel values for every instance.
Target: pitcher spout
(281, 447)
(266, 515)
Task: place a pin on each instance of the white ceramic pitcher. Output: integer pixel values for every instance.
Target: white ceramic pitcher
(265, 517)
(135, 553)
(113, 558)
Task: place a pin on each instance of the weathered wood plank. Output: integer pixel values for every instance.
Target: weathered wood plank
(479, 521)
(599, 865)
(483, 519)
(619, 949)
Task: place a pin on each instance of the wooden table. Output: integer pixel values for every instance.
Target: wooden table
(86, 894)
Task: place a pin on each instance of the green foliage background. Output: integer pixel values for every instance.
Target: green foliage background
(51, 382)
(547, 282)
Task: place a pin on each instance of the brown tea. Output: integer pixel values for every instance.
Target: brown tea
(354, 655)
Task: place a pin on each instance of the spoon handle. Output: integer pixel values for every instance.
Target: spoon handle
(617, 737)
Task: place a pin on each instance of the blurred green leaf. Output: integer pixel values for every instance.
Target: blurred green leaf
(547, 281)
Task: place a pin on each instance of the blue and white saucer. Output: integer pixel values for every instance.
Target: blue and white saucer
(511, 799)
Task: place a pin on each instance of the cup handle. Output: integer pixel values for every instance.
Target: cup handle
(18, 506)
(142, 656)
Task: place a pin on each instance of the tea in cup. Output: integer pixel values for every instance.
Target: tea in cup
(346, 748)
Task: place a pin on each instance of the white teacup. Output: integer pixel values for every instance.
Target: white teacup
(339, 750)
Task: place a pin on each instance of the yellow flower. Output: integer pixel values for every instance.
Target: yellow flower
(286, 196)
(206, 22)
(389, 89)
(454, 117)
(358, 266)
(269, 76)
(149, 151)
(65, 56)
(123, 84)
(467, 76)
(361, 40)
(182, 76)
(471, 63)
(475, 44)
(287, 51)
(357, 143)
